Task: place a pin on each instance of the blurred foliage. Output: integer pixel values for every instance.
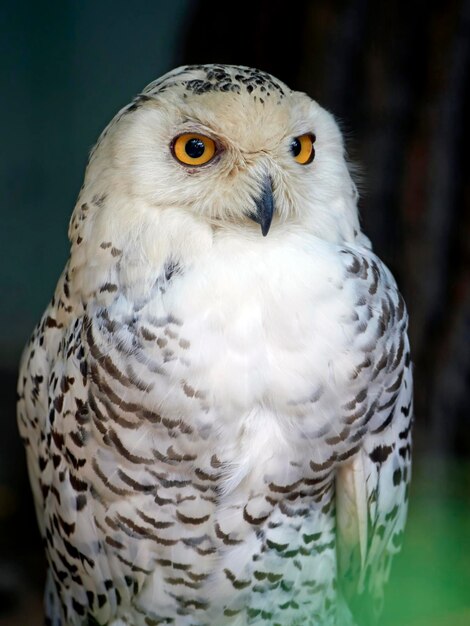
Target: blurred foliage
(431, 576)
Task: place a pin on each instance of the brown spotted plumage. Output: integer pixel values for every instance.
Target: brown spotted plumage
(217, 423)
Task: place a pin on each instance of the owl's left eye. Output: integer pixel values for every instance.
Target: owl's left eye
(193, 149)
(302, 148)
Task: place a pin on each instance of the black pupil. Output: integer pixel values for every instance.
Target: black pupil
(195, 148)
(295, 147)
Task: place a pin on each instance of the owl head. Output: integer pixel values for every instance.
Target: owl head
(207, 150)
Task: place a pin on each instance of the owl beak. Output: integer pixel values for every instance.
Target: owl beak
(264, 206)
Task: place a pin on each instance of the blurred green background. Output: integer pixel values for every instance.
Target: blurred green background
(396, 76)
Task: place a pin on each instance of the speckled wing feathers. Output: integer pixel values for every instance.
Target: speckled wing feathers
(372, 495)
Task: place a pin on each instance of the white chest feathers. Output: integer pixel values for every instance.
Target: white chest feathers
(255, 346)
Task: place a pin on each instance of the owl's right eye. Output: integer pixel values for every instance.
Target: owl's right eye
(193, 149)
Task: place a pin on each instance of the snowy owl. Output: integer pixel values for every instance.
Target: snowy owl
(216, 404)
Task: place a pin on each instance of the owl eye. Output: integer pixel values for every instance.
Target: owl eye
(302, 148)
(193, 149)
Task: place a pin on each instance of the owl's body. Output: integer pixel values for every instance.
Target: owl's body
(218, 423)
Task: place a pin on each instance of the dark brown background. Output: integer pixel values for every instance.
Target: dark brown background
(396, 76)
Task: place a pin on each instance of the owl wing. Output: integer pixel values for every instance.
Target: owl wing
(372, 493)
(41, 385)
(32, 409)
(33, 406)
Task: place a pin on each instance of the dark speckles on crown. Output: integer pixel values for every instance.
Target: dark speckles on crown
(201, 79)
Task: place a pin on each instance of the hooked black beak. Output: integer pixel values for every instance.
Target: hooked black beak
(264, 206)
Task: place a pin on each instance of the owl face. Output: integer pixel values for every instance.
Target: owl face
(234, 148)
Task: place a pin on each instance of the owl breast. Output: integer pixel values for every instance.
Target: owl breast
(252, 343)
(264, 324)
(227, 386)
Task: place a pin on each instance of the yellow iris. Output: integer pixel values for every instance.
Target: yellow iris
(302, 148)
(193, 149)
